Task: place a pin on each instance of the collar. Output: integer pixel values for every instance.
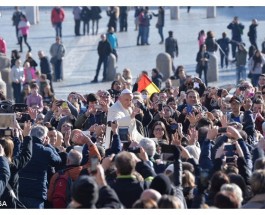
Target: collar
(126, 176)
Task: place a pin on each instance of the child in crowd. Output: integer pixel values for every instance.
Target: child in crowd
(34, 100)
(29, 73)
(125, 78)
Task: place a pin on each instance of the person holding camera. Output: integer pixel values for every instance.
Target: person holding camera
(95, 114)
(237, 32)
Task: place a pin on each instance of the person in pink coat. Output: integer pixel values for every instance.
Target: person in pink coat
(23, 27)
(201, 38)
(2, 45)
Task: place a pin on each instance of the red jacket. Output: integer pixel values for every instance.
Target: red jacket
(57, 15)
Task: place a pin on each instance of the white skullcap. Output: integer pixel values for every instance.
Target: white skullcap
(126, 91)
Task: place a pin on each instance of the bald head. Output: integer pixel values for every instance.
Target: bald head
(41, 53)
(150, 194)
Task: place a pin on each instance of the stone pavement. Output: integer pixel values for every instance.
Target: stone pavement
(81, 52)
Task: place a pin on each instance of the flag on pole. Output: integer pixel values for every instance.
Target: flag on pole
(146, 84)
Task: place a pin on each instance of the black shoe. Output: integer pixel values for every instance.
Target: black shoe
(94, 81)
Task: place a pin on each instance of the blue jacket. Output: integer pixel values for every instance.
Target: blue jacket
(33, 178)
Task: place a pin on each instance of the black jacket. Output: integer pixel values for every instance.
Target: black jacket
(45, 67)
(252, 33)
(104, 49)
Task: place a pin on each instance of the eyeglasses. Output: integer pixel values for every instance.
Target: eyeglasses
(158, 129)
(263, 93)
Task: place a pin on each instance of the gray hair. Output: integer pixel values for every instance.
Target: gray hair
(39, 131)
(234, 188)
(149, 146)
(74, 157)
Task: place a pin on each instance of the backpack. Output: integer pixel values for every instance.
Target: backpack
(61, 195)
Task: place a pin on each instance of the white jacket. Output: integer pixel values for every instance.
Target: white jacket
(123, 117)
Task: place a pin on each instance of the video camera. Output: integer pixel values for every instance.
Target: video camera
(8, 115)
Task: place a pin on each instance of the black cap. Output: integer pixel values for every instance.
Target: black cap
(236, 99)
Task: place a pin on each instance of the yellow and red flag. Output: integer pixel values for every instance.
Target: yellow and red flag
(146, 84)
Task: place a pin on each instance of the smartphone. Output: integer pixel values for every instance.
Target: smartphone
(189, 109)
(99, 118)
(230, 150)
(173, 128)
(138, 104)
(64, 105)
(196, 85)
(160, 107)
(98, 106)
(204, 177)
(222, 130)
(93, 165)
(134, 150)
(123, 133)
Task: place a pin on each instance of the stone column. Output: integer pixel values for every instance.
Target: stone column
(213, 73)
(111, 68)
(174, 13)
(211, 12)
(32, 14)
(164, 65)
(5, 74)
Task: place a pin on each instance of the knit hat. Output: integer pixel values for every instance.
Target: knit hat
(85, 191)
(162, 184)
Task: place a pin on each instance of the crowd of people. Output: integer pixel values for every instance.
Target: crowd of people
(190, 146)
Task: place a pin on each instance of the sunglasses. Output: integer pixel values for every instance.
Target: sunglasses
(263, 93)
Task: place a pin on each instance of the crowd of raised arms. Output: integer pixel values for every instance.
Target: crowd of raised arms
(190, 146)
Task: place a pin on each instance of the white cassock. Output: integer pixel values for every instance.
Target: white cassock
(123, 117)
